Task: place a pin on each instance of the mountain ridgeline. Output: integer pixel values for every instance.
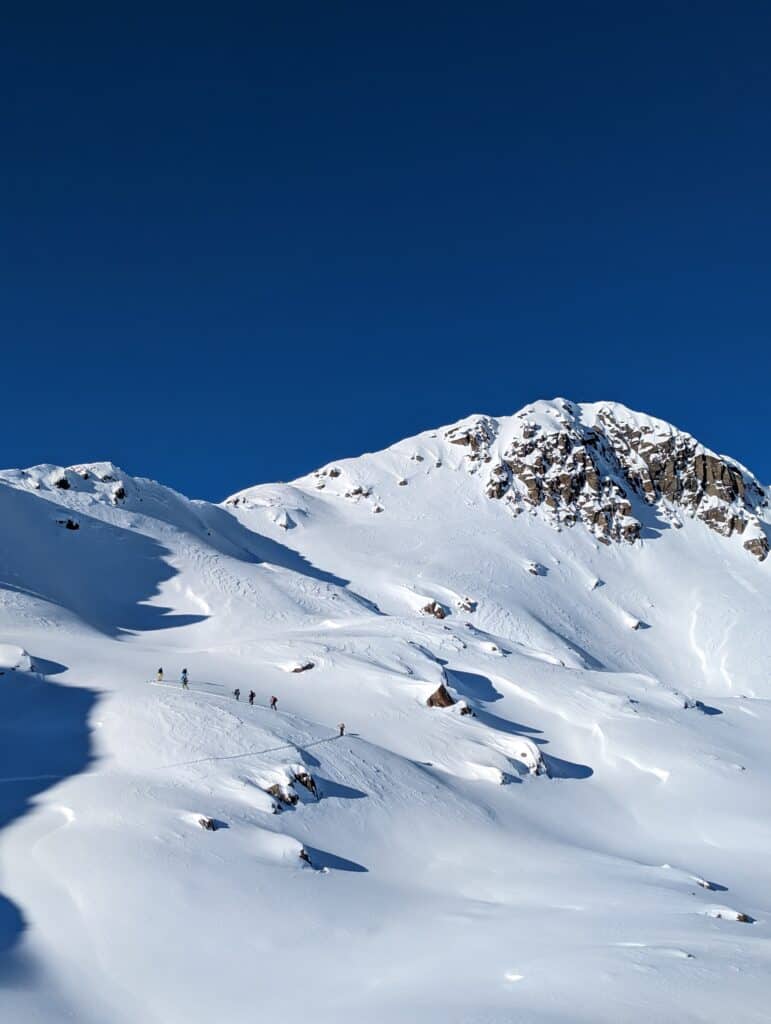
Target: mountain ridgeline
(589, 464)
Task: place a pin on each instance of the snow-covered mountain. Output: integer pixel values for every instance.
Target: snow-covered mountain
(547, 636)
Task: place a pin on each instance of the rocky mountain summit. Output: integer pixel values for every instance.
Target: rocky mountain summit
(594, 463)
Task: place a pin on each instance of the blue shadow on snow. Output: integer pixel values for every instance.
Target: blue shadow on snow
(44, 739)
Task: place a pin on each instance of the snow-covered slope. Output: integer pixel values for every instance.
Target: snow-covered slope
(581, 836)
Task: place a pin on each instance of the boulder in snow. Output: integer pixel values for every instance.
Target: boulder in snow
(304, 778)
(303, 666)
(729, 914)
(440, 698)
(435, 609)
(283, 794)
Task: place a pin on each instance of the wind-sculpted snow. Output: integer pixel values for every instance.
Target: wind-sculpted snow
(573, 830)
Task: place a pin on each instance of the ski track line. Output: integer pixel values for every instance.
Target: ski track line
(697, 650)
(723, 649)
(226, 696)
(292, 745)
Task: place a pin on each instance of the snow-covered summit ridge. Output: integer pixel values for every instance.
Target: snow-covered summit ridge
(607, 467)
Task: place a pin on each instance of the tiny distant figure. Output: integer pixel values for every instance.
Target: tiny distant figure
(237, 693)
(274, 703)
(252, 695)
(183, 679)
(159, 676)
(341, 727)
(305, 856)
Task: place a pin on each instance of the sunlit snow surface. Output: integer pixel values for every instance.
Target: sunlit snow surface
(584, 848)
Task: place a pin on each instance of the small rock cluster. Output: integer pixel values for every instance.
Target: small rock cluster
(435, 609)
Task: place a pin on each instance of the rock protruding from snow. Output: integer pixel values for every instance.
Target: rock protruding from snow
(569, 472)
(477, 435)
(304, 778)
(582, 463)
(665, 464)
(441, 698)
(435, 609)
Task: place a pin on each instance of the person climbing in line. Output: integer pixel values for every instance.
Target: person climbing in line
(341, 727)
(252, 695)
(237, 693)
(274, 703)
(159, 677)
(183, 679)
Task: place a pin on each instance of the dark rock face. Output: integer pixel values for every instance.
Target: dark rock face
(306, 779)
(575, 472)
(571, 474)
(675, 467)
(478, 438)
(282, 794)
(435, 609)
(758, 547)
(440, 698)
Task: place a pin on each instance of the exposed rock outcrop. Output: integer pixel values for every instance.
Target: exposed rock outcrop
(591, 464)
(304, 778)
(283, 794)
(435, 609)
(441, 698)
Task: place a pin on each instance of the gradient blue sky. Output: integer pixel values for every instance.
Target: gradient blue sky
(241, 240)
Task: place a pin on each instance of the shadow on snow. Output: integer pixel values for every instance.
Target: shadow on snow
(477, 689)
(44, 738)
(323, 859)
(102, 573)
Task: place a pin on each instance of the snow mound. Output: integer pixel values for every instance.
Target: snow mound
(14, 658)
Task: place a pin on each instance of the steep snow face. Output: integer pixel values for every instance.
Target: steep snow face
(545, 800)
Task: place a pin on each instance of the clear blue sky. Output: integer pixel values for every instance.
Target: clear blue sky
(241, 240)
